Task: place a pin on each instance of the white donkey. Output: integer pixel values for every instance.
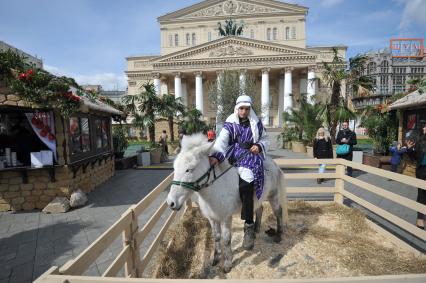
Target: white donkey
(218, 194)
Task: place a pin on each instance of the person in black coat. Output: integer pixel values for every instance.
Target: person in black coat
(417, 150)
(322, 149)
(346, 136)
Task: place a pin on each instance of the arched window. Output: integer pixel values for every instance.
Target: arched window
(384, 66)
(176, 40)
(209, 36)
(268, 34)
(274, 33)
(252, 33)
(287, 33)
(293, 33)
(188, 39)
(371, 68)
(194, 39)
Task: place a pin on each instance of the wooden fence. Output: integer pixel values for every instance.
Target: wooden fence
(133, 236)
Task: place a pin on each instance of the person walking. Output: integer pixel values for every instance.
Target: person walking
(417, 150)
(322, 149)
(345, 140)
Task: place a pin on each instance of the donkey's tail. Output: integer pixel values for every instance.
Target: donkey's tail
(282, 193)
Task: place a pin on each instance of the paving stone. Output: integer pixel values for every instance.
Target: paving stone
(22, 273)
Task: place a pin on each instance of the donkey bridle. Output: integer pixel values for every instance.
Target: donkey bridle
(197, 186)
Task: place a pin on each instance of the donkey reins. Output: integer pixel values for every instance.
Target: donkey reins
(196, 186)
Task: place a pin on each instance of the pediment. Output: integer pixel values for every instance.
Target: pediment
(234, 47)
(233, 8)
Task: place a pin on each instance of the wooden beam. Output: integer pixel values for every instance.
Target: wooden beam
(297, 176)
(411, 181)
(411, 204)
(82, 262)
(388, 216)
(143, 204)
(311, 161)
(141, 235)
(406, 278)
(310, 190)
(118, 263)
(153, 247)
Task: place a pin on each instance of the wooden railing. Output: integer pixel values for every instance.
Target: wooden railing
(132, 236)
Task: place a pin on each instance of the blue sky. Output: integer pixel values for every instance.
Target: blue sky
(89, 39)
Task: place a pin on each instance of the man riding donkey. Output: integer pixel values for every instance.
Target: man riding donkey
(243, 141)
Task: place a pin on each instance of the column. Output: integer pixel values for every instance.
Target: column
(157, 83)
(219, 118)
(243, 81)
(280, 99)
(288, 89)
(164, 87)
(311, 84)
(199, 102)
(178, 85)
(184, 93)
(265, 96)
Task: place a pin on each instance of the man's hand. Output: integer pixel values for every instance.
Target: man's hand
(410, 144)
(213, 161)
(254, 149)
(344, 140)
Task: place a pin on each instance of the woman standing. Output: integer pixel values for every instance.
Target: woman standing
(322, 149)
(418, 151)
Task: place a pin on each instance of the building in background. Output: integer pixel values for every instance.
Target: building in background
(391, 69)
(272, 49)
(34, 60)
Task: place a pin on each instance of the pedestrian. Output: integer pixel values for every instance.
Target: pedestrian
(322, 149)
(397, 152)
(345, 140)
(417, 150)
(163, 142)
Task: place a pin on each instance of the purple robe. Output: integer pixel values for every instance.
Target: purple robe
(254, 162)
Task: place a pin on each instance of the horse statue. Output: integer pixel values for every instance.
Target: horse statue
(216, 191)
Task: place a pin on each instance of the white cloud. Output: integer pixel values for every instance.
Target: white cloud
(108, 81)
(330, 3)
(414, 12)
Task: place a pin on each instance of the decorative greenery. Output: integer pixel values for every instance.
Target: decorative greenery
(306, 121)
(289, 134)
(170, 107)
(417, 84)
(143, 107)
(226, 90)
(382, 126)
(192, 123)
(336, 108)
(37, 86)
(119, 140)
(230, 28)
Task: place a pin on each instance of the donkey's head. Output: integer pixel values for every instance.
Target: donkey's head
(189, 166)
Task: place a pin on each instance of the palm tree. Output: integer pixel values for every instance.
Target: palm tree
(192, 122)
(143, 107)
(336, 108)
(418, 84)
(170, 107)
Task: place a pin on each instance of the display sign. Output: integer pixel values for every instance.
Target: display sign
(407, 47)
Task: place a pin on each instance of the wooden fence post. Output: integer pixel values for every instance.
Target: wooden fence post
(129, 238)
(339, 184)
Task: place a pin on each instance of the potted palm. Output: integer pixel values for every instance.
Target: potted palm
(119, 141)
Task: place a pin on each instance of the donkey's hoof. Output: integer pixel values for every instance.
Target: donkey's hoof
(277, 238)
(271, 232)
(215, 261)
(227, 268)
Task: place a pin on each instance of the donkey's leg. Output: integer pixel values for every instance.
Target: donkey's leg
(227, 249)
(258, 221)
(277, 209)
(216, 236)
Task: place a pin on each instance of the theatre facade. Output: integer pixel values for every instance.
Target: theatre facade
(272, 49)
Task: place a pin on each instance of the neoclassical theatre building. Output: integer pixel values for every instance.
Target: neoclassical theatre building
(272, 48)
